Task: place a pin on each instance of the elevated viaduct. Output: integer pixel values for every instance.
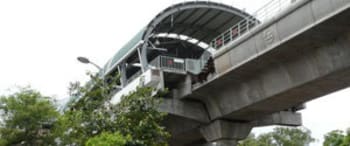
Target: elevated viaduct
(228, 71)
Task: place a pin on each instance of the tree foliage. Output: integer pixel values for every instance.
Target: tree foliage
(92, 116)
(91, 120)
(26, 117)
(337, 138)
(292, 136)
(280, 136)
(69, 129)
(108, 139)
(137, 115)
(250, 141)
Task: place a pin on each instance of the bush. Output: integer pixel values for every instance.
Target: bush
(108, 139)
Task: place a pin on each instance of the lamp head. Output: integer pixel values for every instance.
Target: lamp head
(83, 60)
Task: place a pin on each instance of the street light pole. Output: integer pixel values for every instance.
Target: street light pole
(87, 61)
(104, 85)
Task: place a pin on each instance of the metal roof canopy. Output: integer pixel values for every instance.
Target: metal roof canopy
(201, 20)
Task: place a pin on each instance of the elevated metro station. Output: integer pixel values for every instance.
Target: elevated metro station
(228, 71)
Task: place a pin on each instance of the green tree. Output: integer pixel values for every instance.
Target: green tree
(334, 138)
(261, 140)
(284, 136)
(108, 139)
(249, 141)
(337, 138)
(26, 118)
(92, 115)
(280, 136)
(137, 116)
(347, 138)
(69, 129)
(266, 140)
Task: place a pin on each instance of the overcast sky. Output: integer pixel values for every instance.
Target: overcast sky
(40, 40)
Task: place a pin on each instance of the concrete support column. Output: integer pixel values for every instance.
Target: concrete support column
(225, 133)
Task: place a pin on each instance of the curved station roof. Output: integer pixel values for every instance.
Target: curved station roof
(199, 20)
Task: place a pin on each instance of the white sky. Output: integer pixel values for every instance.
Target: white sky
(40, 40)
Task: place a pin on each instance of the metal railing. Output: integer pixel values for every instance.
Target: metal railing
(262, 15)
(170, 64)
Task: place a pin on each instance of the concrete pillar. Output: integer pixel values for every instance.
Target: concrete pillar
(225, 133)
